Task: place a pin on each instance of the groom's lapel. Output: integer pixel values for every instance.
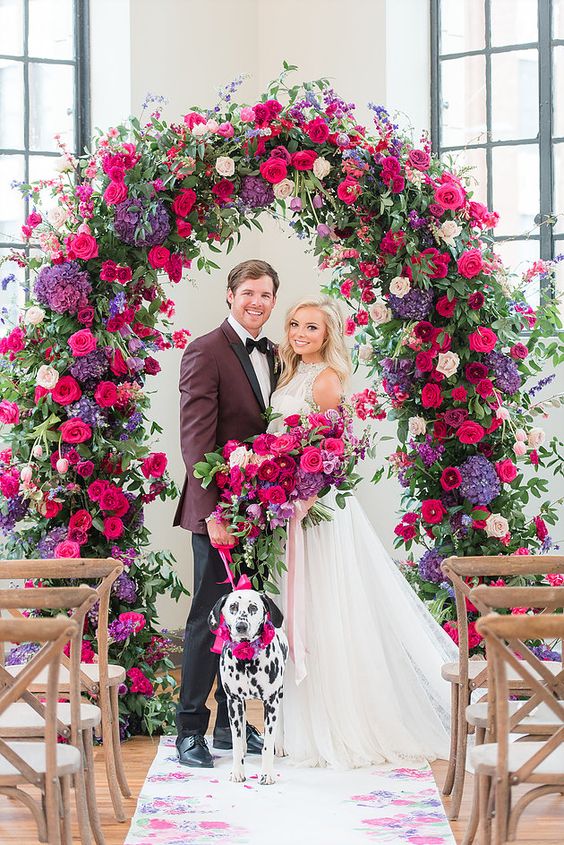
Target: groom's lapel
(272, 356)
(243, 356)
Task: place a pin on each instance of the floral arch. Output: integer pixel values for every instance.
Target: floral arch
(435, 326)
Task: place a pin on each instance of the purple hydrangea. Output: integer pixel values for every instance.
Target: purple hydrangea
(480, 483)
(63, 288)
(309, 483)
(17, 508)
(21, 653)
(428, 450)
(256, 192)
(430, 566)
(125, 589)
(89, 411)
(90, 367)
(543, 652)
(138, 224)
(415, 305)
(507, 376)
(46, 546)
(398, 372)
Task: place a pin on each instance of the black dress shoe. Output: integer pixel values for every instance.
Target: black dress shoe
(222, 739)
(194, 751)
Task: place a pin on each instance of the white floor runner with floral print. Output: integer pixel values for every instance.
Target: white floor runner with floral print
(181, 806)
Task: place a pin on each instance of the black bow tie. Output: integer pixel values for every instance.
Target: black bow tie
(261, 345)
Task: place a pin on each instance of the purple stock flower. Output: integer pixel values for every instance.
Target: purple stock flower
(480, 483)
(63, 288)
(256, 192)
(415, 305)
(507, 376)
(17, 508)
(430, 566)
(429, 451)
(138, 224)
(121, 629)
(125, 589)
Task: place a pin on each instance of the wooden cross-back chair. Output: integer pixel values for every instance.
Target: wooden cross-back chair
(46, 765)
(76, 719)
(101, 679)
(469, 675)
(506, 764)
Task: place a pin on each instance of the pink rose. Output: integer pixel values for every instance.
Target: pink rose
(9, 412)
(431, 396)
(432, 511)
(274, 170)
(470, 263)
(450, 195)
(261, 444)
(226, 130)
(276, 495)
(66, 390)
(348, 190)
(519, 351)
(85, 468)
(243, 651)
(419, 159)
(482, 340)
(115, 193)
(334, 445)
(506, 470)
(445, 306)
(470, 432)
(183, 228)
(82, 342)
(154, 465)
(311, 460)
(317, 130)
(282, 444)
(83, 246)
(158, 257)
(106, 394)
(81, 519)
(67, 548)
(137, 618)
(304, 159)
(108, 271)
(113, 527)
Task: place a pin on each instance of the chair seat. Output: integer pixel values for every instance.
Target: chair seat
(20, 719)
(541, 721)
(33, 753)
(450, 672)
(116, 676)
(484, 759)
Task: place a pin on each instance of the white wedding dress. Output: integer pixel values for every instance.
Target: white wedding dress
(363, 682)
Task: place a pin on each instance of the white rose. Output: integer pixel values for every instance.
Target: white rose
(64, 164)
(212, 125)
(239, 457)
(447, 363)
(34, 315)
(415, 177)
(365, 352)
(536, 438)
(199, 129)
(399, 286)
(57, 216)
(449, 231)
(496, 525)
(225, 166)
(283, 189)
(321, 167)
(380, 312)
(417, 425)
(47, 377)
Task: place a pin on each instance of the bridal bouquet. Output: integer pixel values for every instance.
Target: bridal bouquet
(266, 481)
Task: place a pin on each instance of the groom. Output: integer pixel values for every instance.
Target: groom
(226, 378)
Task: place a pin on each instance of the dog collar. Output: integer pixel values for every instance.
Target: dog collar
(246, 649)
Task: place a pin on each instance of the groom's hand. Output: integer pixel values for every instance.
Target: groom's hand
(218, 533)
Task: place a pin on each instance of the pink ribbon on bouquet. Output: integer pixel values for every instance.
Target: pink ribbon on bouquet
(242, 584)
(295, 594)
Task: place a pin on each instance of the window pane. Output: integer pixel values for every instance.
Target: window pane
(516, 188)
(51, 98)
(11, 293)
(518, 256)
(462, 26)
(558, 91)
(11, 30)
(514, 22)
(51, 29)
(463, 101)
(11, 105)
(42, 167)
(473, 165)
(558, 18)
(515, 95)
(559, 188)
(11, 202)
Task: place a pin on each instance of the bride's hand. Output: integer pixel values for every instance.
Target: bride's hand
(305, 505)
(218, 534)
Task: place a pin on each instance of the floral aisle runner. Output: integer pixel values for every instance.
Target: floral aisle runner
(180, 806)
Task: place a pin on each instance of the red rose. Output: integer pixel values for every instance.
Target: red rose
(106, 394)
(158, 257)
(450, 195)
(276, 495)
(268, 471)
(117, 363)
(83, 246)
(124, 274)
(223, 191)
(541, 529)
(261, 444)
(482, 340)
(293, 420)
(459, 394)
(85, 468)
(519, 351)
(450, 478)
(273, 170)
(475, 372)
(183, 228)
(50, 508)
(432, 511)
(506, 471)
(108, 272)
(184, 202)
(348, 190)
(81, 519)
(96, 489)
(484, 388)
(304, 159)
(82, 342)
(311, 460)
(431, 396)
(67, 548)
(454, 417)
(174, 267)
(115, 193)
(440, 431)
(424, 361)
(480, 523)
(85, 315)
(425, 331)
(445, 306)
(66, 390)
(75, 430)
(476, 300)
(317, 130)
(419, 159)
(151, 366)
(113, 527)
(154, 465)
(470, 432)
(470, 263)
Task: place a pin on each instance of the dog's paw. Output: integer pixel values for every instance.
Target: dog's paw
(266, 779)
(237, 777)
(280, 751)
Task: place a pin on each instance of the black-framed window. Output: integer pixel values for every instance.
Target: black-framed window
(497, 104)
(44, 91)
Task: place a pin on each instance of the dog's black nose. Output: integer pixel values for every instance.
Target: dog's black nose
(241, 627)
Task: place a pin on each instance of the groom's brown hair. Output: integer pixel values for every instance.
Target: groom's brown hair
(252, 269)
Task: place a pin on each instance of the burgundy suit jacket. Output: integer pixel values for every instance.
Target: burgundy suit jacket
(220, 400)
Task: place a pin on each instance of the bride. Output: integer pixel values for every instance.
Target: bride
(363, 685)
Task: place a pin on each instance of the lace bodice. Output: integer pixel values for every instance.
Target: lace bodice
(296, 396)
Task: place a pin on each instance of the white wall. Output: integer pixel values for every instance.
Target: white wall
(373, 51)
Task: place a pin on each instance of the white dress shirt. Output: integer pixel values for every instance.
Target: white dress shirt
(259, 360)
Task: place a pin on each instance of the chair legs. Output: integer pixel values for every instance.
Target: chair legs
(449, 779)
(472, 825)
(109, 753)
(90, 784)
(120, 770)
(460, 754)
(483, 788)
(66, 833)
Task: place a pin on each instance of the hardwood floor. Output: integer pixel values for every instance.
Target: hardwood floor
(543, 820)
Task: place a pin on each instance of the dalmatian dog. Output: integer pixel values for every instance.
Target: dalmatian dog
(251, 664)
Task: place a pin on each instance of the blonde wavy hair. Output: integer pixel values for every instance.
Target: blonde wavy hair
(334, 351)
